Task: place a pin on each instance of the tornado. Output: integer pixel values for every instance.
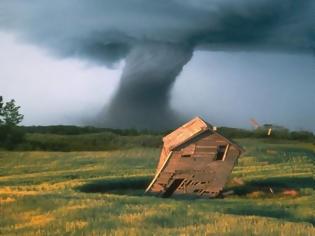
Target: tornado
(156, 39)
(142, 99)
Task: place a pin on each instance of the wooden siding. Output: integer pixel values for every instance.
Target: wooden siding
(196, 163)
(196, 160)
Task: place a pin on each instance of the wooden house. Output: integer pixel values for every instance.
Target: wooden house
(195, 160)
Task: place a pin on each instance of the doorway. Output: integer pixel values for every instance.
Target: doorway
(172, 188)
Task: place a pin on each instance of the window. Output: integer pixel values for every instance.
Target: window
(220, 152)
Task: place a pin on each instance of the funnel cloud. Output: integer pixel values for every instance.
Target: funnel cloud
(143, 94)
(156, 38)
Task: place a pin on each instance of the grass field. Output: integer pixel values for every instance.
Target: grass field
(101, 193)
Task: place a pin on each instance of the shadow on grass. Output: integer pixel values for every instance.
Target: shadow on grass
(130, 186)
(133, 186)
(243, 205)
(137, 185)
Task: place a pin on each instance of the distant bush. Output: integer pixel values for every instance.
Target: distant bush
(77, 130)
(11, 136)
(302, 135)
(277, 133)
(282, 133)
(72, 138)
(235, 133)
(87, 142)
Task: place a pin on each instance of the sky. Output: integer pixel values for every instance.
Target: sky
(49, 90)
(224, 88)
(155, 64)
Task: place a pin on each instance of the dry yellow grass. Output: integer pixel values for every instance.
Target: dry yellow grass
(4, 200)
(40, 195)
(17, 191)
(31, 219)
(75, 225)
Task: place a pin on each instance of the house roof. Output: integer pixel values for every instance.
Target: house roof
(185, 132)
(188, 131)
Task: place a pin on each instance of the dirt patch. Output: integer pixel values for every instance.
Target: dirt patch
(290, 192)
(280, 187)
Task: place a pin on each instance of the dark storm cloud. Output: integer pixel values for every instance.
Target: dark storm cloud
(157, 38)
(98, 30)
(275, 25)
(106, 30)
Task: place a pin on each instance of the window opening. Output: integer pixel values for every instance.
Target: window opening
(220, 152)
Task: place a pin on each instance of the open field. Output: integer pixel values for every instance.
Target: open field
(100, 193)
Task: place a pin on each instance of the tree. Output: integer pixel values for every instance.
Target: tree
(10, 117)
(9, 113)
(1, 110)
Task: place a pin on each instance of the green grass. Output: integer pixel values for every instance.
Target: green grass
(101, 193)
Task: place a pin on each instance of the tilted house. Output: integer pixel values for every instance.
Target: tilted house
(195, 160)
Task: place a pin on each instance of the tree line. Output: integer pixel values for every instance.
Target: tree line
(72, 138)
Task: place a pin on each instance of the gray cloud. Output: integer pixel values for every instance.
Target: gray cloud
(262, 25)
(157, 38)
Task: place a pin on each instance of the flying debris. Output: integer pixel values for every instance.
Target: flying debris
(256, 125)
